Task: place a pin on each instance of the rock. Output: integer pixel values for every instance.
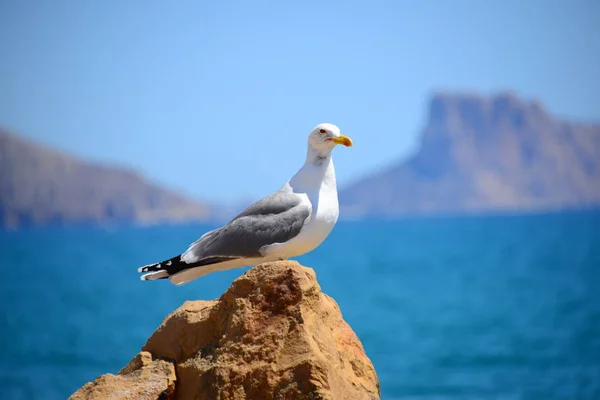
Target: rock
(143, 378)
(272, 335)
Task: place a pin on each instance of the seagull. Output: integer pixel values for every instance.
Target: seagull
(288, 223)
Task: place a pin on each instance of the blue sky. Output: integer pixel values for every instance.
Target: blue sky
(216, 98)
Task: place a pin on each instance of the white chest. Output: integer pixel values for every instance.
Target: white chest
(318, 226)
(323, 200)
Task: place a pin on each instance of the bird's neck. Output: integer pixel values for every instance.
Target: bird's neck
(318, 157)
(317, 170)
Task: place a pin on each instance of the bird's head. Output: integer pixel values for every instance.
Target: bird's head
(326, 136)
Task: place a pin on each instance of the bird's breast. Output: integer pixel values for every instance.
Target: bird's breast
(325, 206)
(323, 217)
(323, 202)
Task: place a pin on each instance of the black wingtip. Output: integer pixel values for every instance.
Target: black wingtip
(171, 266)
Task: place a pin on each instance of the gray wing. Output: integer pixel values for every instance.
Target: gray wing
(275, 219)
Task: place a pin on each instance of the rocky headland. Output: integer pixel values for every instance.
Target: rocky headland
(45, 187)
(486, 154)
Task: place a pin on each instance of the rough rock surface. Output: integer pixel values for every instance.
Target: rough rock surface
(272, 335)
(143, 378)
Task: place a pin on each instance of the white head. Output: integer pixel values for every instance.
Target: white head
(325, 137)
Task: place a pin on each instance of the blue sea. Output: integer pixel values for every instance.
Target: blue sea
(503, 307)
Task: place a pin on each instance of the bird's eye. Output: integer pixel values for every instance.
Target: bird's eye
(322, 131)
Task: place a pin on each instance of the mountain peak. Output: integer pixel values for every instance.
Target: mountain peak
(475, 109)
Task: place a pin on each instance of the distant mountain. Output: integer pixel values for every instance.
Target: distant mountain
(481, 154)
(39, 186)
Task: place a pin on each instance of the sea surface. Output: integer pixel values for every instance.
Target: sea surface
(503, 307)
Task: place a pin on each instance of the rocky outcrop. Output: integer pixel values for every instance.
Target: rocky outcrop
(143, 378)
(486, 154)
(272, 335)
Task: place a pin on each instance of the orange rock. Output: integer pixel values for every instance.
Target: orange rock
(272, 335)
(143, 378)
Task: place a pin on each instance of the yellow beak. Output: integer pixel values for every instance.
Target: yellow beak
(345, 140)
